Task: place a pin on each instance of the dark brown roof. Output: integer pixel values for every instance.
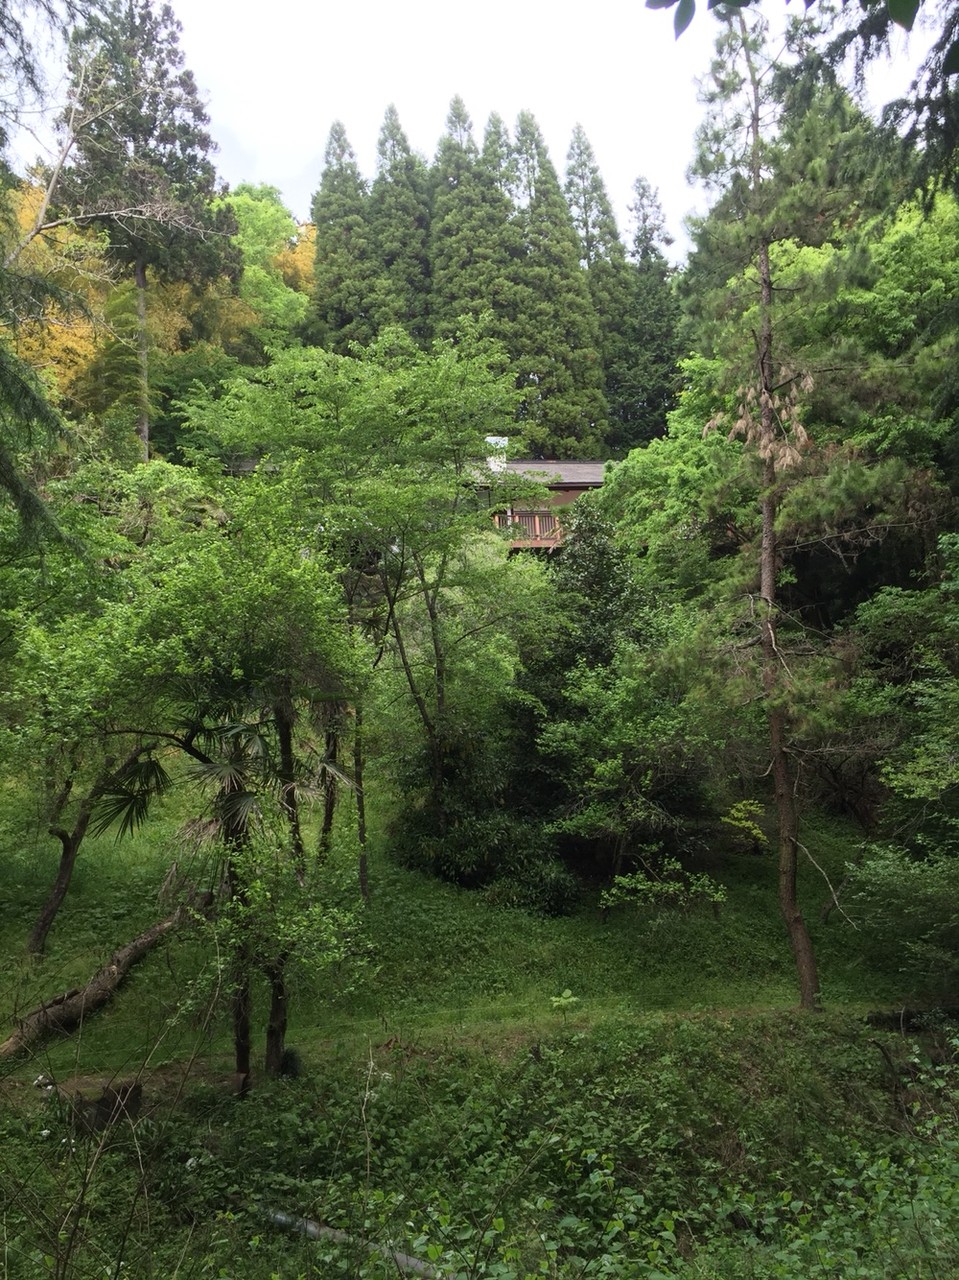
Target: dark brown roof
(559, 475)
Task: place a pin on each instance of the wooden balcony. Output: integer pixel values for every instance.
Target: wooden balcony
(531, 528)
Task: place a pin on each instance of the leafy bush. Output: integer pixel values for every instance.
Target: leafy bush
(907, 906)
(511, 858)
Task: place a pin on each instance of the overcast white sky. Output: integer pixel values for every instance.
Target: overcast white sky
(276, 83)
(276, 77)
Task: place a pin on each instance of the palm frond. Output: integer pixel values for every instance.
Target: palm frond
(123, 805)
(127, 800)
(238, 808)
(228, 774)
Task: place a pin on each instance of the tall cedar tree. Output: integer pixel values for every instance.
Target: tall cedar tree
(470, 234)
(637, 314)
(346, 266)
(647, 386)
(141, 163)
(555, 338)
(399, 222)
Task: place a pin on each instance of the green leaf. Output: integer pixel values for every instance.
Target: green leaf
(685, 11)
(950, 63)
(660, 4)
(903, 12)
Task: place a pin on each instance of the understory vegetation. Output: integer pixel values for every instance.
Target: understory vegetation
(673, 1116)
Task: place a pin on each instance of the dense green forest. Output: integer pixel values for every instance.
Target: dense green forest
(473, 911)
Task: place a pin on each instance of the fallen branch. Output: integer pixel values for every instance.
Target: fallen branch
(318, 1231)
(67, 1011)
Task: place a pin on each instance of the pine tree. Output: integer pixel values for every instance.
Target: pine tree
(345, 255)
(399, 225)
(738, 151)
(555, 336)
(141, 162)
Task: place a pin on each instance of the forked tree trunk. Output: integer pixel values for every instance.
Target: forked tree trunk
(70, 842)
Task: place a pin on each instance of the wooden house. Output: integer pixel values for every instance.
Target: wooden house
(540, 526)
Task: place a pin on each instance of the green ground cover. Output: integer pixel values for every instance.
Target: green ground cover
(677, 1119)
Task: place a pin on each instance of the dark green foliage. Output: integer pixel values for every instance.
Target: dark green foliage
(346, 266)
(473, 244)
(26, 420)
(646, 373)
(904, 901)
(509, 856)
(399, 226)
(609, 279)
(176, 377)
(141, 163)
(554, 341)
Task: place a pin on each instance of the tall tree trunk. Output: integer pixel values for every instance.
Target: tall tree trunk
(235, 835)
(242, 1036)
(69, 848)
(359, 765)
(143, 359)
(330, 790)
(430, 596)
(773, 668)
(276, 1023)
(283, 712)
(772, 663)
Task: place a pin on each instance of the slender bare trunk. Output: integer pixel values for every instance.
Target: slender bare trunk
(330, 790)
(359, 765)
(143, 358)
(774, 672)
(777, 719)
(431, 724)
(235, 836)
(284, 714)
